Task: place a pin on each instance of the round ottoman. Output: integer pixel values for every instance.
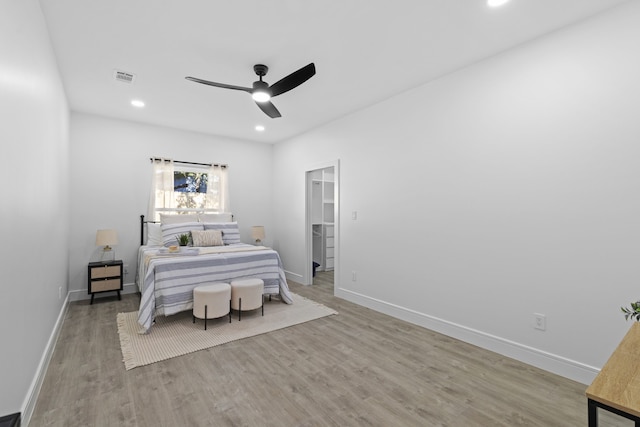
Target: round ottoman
(246, 294)
(211, 301)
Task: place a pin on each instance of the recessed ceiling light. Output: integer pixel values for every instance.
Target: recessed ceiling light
(260, 128)
(137, 103)
(496, 3)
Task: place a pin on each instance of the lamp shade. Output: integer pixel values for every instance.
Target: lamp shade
(257, 232)
(106, 237)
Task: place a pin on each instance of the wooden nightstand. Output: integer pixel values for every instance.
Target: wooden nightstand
(104, 276)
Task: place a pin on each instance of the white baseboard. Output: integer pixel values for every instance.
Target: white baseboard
(559, 365)
(30, 400)
(298, 278)
(32, 395)
(81, 294)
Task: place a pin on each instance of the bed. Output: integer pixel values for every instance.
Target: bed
(166, 279)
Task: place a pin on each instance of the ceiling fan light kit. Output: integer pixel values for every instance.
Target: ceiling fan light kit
(261, 92)
(261, 96)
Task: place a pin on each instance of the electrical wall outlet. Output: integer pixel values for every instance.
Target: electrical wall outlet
(60, 292)
(126, 269)
(354, 276)
(540, 321)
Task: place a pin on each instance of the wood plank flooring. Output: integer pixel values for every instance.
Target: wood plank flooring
(359, 368)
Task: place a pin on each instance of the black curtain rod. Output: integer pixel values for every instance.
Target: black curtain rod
(188, 163)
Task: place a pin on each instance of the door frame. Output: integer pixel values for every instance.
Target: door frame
(308, 270)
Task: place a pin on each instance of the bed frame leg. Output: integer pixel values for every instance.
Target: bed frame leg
(239, 309)
(229, 311)
(205, 317)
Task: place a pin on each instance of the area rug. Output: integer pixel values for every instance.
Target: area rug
(177, 335)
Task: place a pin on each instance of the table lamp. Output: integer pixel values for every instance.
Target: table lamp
(257, 233)
(106, 238)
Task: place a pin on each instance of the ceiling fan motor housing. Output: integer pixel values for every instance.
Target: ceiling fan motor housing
(259, 84)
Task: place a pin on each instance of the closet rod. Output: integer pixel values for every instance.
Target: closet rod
(189, 163)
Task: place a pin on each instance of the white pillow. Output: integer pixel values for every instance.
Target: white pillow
(215, 217)
(178, 218)
(207, 238)
(170, 232)
(154, 234)
(230, 231)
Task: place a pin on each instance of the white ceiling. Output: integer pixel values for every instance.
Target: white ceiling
(365, 51)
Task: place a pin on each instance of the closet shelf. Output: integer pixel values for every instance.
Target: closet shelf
(323, 217)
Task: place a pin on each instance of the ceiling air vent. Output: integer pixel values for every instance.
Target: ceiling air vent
(123, 76)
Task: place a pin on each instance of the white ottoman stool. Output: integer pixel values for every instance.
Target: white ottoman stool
(211, 301)
(246, 294)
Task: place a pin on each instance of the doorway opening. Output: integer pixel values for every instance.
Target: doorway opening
(322, 225)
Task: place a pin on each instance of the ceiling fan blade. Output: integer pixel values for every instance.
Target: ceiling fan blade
(292, 80)
(269, 109)
(222, 85)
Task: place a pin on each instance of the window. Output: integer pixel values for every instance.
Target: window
(182, 187)
(190, 189)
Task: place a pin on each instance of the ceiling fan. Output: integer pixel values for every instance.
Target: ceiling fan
(261, 92)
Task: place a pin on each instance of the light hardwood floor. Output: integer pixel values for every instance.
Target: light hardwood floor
(359, 368)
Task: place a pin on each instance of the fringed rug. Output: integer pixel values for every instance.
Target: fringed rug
(176, 335)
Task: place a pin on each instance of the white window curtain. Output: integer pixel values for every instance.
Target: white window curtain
(218, 189)
(162, 192)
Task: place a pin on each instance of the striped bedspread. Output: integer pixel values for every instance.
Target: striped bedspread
(168, 282)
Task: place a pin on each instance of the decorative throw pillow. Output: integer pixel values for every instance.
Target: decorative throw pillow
(177, 218)
(230, 231)
(154, 234)
(207, 237)
(215, 217)
(171, 231)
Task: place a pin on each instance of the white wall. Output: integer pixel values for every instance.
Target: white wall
(111, 177)
(34, 209)
(510, 187)
(505, 189)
